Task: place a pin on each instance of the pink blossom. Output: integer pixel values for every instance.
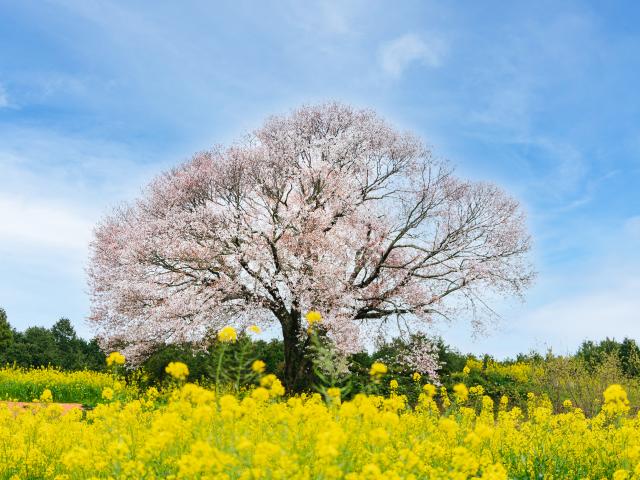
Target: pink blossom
(327, 208)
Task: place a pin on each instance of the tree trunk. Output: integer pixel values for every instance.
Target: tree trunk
(297, 366)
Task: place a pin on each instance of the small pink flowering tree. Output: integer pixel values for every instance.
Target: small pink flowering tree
(327, 208)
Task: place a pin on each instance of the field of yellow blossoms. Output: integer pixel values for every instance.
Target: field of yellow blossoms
(82, 386)
(187, 432)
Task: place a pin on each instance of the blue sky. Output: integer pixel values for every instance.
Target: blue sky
(541, 97)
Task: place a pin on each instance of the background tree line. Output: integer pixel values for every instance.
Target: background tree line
(581, 376)
(58, 346)
(61, 347)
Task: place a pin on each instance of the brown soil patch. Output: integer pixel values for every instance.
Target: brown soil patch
(27, 405)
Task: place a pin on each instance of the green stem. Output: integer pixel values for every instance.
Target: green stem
(240, 367)
(219, 368)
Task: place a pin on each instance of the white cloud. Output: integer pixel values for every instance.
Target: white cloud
(4, 98)
(40, 223)
(56, 187)
(591, 300)
(562, 323)
(606, 301)
(396, 55)
(53, 189)
(611, 311)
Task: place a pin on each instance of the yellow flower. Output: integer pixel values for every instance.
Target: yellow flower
(313, 317)
(255, 329)
(446, 403)
(416, 377)
(115, 358)
(334, 392)
(46, 396)
(620, 475)
(466, 370)
(227, 335)
(378, 436)
(393, 384)
(258, 366)
(378, 369)
(567, 403)
(107, 393)
(177, 370)
(250, 434)
(152, 394)
(430, 390)
(261, 394)
(615, 400)
(268, 380)
(370, 470)
(277, 389)
(461, 392)
(477, 390)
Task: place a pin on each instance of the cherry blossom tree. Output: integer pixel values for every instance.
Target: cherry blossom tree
(327, 208)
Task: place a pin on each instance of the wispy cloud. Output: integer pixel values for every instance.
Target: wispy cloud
(55, 187)
(398, 54)
(595, 298)
(43, 224)
(609, 310)
(561, 321)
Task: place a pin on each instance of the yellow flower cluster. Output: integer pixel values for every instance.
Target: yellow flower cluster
(86, 387)
(46, 396)
(615, 401)
(313, 317)
(334, 392)
(177, 370)
(429, 390)
(461, 392)
(115, 358)
(378, 369)
(194, 434)
(258, 366)
(227, 335)
(107, 394)
(273, 383)
(519, 371)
